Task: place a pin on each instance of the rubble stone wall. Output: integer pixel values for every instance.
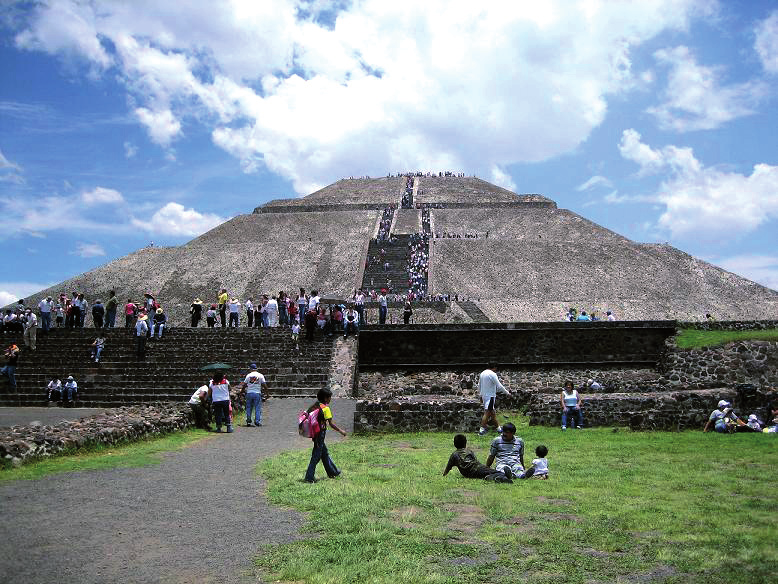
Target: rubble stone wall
(754, 362)
(436, 413)
(19, 444)
(729, 325)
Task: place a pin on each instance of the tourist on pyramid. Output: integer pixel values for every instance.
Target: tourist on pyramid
(350, 321)
(196, 311)
(219, 392)
(313, 301)
(54, 390)
(59, 315)
(609, 316)
(83, 310)
(149, 303)
(359, 306)
(271, 309)
(258, 313)
(283, 308)
(296, 333)
(45, 306)
(110, 310)
(302, 303)
(292, 310)
(97, 348)
(253, 384)
(130, 312)
(234, 306)
(320, 451)
(508, 450)
(98, 313)
(583, 316)
(30, 329)
(141, 332)
(12, 360)
(382, 306)
(593, 385)
(407, 311)
(210, 316)
(263, 313)
(222, 300)
(70, 391)
(249, 307)
(488, 387)
(571, 404)
(160, 318)
(468, 465)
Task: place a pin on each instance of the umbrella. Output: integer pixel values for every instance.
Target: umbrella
(215, 366)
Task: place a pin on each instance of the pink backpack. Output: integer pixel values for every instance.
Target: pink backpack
(308, 423)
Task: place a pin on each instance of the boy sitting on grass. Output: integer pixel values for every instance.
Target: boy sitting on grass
(468, 464)
(539, 467)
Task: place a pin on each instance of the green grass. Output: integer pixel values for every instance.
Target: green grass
(130, 454)
(694, 339)
(671, 507)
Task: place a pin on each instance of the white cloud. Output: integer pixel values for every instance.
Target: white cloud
(595, 181)
(88, 250)
(695, 98)
(9, 171)
(705, 202)
(384, 86)
(101, 195)
(7, 164)
(174, 219)
(766, 43)
(130, 150)
(502, 179)
(11, 292)
(759, 268)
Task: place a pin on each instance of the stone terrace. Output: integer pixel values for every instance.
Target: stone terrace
(528, 280)
(468, 190)
(171, 370)
(350, 191)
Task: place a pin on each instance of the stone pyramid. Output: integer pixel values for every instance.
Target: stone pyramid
(536, 261)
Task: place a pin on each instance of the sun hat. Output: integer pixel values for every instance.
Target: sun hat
(143, 317)
(197, 301)
(752, 418)
(159, 310)
(70, 378)
(723, 403)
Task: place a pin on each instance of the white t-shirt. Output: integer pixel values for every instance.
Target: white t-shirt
(313, 303)
(32, 321)
(254, 381)
(359, 299)
(249, 306)
(541, 466)
(296, 328)
(611, 317)
(489, 385)
(195, 399)
(44, 306)
(220, 391)
(234, 306)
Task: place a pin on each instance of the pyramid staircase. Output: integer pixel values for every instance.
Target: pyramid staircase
(171, 368)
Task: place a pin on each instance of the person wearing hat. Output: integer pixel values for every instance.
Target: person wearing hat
(12, 358)
(234, 306)
(196, 310)
(754, 423)
(69, 391)
(723, 418)
(159, 323)
(253, 384)
(141, 330)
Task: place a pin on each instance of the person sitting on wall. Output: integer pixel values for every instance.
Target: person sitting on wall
(54, 390)
(592, 385)
(724, 419)
(583, 317)
(351, 321)
(159, 323)
(69, 392)
(97, 348)
(571, 402)
(468, 465)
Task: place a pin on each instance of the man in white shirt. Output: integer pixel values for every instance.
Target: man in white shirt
(197, 405)
(359, 305)
(313, 302)
(234, 306)
(489, 385)
(30, 329)
(45, 307)
(254, 382)
(141, 330)
(382, 308)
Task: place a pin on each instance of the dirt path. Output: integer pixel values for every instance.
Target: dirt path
(199, 516)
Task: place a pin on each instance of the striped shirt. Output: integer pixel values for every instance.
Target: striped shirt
(505, 452)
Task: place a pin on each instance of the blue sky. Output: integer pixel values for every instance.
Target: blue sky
(128, 122)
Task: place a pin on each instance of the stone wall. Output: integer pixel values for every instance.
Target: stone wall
(409, 414)
(19, 444)
(754, 362)
(514, 343)
(729, 325)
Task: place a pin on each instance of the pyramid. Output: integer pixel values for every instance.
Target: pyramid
(530, 260)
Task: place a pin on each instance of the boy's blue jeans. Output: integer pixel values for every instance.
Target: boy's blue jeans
(573, 412)
(254, 403)
(320, 452)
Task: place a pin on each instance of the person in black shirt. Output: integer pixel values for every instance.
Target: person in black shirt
(468, 464)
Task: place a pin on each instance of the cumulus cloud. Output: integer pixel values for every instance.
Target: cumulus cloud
(766, 43)
(101, 195)
(696, 99)
(380, 86)
(701, 201)
(88, 250)
(175, 219)
(162, 126)
(11, 292)
(594, 182)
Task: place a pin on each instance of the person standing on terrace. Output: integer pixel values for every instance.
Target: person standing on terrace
(222, 300)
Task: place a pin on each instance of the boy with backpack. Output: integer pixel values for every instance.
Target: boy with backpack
(318, 416)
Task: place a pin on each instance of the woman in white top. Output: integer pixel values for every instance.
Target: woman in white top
(272, 312)
(571, 402)
(219, 392)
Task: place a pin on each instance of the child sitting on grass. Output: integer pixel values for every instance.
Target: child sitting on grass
(468, 464)
(539, 467)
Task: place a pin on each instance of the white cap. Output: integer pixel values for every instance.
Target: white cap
(752, 418)
(723, 403)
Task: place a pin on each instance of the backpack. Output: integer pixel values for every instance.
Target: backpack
(308, 423)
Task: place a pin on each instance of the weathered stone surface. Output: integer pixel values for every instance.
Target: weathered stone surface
(21, 443)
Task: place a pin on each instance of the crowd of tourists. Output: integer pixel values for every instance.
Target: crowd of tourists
(465, 235)
(386, 224)
(418, 264)
(407, 200)
(573, 315)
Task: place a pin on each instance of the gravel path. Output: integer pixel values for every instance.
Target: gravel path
(199, 516)
(48, 416)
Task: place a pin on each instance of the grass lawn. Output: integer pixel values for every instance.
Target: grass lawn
(141, 453)
(694, 339)
(618, 507)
